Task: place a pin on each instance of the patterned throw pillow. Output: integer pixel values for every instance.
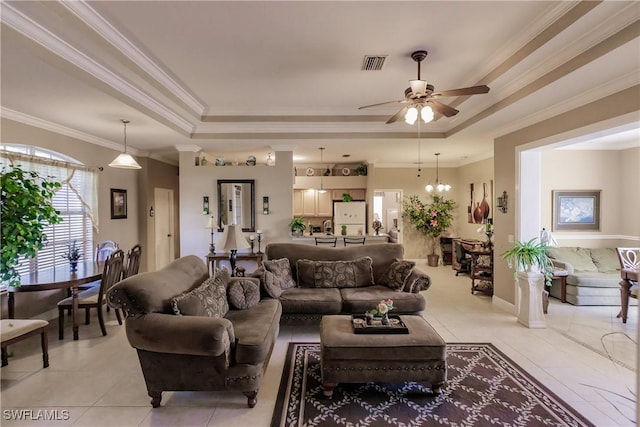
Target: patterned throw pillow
(271, 284)
(397, 274)
(281, 269)
(338, 274)
(243, 294)
(208, 299)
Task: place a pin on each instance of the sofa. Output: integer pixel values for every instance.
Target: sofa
(593, 275)
(193, 332)
(348, 280)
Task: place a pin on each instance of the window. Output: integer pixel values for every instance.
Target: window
(76, 200)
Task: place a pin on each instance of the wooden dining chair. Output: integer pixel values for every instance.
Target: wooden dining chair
(133, 262)
(104, 249)
(354, 240)
(331, 241)
(95, 297)
(629, 269)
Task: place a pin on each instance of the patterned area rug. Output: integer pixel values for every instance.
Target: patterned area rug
(484, 387)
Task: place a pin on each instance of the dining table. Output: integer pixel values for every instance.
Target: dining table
(629, 280)
(60, 277)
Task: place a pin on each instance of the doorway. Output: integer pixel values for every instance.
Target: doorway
(164, 230)
(387, 208)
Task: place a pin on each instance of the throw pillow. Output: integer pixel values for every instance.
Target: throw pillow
(606, 259)
(271, 284)
(336, 274)
(282, 270)
(397, 274)
(209, 299)
(243, 294)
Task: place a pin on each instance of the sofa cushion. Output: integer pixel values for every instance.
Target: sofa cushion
(397, 274)
(358, 301)
(255, 329)
(271, 284)
(606, 259)
(595, 280)
(208, 299)
(281, 269)
(243, 294)
(335, 274)
(311, 300)
(579, 258)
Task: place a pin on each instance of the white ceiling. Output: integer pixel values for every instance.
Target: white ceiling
(239, 77)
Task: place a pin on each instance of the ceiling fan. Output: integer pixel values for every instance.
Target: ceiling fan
(421, 99)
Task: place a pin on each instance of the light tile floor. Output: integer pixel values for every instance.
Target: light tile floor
(97, 380)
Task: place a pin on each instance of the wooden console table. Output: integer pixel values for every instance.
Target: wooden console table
(481, 270)
(213, 260)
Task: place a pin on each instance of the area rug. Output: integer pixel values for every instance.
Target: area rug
(484, 388)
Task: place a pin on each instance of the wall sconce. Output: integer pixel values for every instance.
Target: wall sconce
(151, 212)
(265, 205)
(503, 202)
(205, 205)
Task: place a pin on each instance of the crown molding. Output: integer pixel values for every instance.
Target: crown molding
(188, 148)
(40, 35)
(101, 26)
(26, 119)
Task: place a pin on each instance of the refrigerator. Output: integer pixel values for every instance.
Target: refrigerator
(351, 214)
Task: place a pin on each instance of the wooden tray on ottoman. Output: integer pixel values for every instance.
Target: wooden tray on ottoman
(395, 326)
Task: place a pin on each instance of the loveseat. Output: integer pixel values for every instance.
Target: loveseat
(593, 275)
(347, 280)
(193, 332)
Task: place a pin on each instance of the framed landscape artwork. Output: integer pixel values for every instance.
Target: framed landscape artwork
(576, 210)
(118, 203)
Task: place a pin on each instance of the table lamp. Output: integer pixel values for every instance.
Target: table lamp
(233, 240)
(212, 225)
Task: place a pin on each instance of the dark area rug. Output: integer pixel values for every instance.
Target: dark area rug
(484, 388)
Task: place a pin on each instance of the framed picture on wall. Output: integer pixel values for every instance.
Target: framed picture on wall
(576, 210)
(118, 203)
(480, 207)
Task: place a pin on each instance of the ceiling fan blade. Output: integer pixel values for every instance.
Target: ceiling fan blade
(383, 103)
(443, 109)
(472, 90)
(398, 115)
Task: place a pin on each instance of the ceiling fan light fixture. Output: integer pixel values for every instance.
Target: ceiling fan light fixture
(411, 115)
(124, 159)
(426, 114)
(418, 87)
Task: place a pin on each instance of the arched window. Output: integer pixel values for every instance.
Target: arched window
(76, 200)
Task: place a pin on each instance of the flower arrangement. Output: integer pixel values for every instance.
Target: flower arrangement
(430, 219)
(73, 252)
(377, 225)
(383, 308)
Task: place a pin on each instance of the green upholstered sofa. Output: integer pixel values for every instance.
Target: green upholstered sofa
(593, 275)
(195, 352)
(306, 301)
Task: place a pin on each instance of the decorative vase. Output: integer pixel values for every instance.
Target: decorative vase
(385, 320)
(432, 260)
(73, 265)
(530, 309)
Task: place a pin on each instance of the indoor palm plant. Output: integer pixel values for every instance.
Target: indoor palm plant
(26, 208)
(430, 219)
(533, 268)
(297, 226)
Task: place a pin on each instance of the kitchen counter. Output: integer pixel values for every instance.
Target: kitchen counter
(370, 239)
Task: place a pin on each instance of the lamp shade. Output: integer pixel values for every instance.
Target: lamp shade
(233, 238)
(125, 161)
(211, 223)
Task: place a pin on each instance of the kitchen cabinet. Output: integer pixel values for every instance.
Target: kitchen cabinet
(355, 193)
(312, 203)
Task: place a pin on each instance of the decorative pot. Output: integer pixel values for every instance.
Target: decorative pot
(530, 309)
(432, 260)
(73, 266)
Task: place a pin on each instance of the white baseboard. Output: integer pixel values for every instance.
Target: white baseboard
(504, 305)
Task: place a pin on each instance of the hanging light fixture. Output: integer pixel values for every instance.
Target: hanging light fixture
(424, 111)
(124, 159)
(322, 190)
(439, 186)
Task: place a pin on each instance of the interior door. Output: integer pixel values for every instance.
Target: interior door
(164, 238)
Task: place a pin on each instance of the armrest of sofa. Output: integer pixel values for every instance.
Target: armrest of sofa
(563, 265)
(168, 333)
(417, 281)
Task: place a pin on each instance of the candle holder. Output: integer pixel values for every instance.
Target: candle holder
(251, 243)
(259, 240)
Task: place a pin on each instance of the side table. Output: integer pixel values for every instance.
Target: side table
(213, 260)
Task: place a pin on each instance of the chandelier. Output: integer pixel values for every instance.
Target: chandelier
(439, 186)
(124, 159)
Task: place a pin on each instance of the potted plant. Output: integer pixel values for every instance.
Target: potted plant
(297, 226)
(431, 220)
(346, 197)
(532, 269)
(26, 208)
(343, 230)
(361, 170)
(72, 255)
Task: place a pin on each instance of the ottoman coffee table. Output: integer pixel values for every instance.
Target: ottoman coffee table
(346, 357)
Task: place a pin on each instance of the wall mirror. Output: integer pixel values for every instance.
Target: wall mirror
(236, 203)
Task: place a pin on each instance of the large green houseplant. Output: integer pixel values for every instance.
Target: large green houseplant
(524, 256)
(430, 219)
(26, 208)
(297, 226)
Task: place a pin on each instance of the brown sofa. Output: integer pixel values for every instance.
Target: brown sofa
(195, 352)
(305, 301)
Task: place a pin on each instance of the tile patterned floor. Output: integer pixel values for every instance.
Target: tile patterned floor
(96, 381)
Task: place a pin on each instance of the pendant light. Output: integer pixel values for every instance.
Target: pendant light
(124, 159)
(322, 190)
(439, 186)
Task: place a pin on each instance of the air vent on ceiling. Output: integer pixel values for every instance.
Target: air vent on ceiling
(373, 62)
